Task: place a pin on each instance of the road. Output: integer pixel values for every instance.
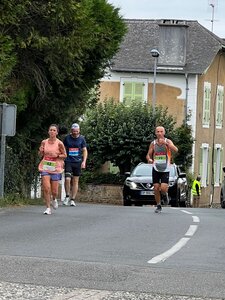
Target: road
(112, 252)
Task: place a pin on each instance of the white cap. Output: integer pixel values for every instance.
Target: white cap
(75, 126)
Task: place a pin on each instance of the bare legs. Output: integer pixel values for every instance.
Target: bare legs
(50, 188)
(158, 189)
(71, 190)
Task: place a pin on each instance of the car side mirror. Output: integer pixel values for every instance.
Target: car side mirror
(182, 175)
(127, 174)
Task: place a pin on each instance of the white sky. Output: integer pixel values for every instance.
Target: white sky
(199, 10)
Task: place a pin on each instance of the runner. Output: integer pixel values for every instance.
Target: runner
(159, 154)
(53, 153)
(76, 149)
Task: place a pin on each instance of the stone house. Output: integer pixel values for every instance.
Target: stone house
(188, 77)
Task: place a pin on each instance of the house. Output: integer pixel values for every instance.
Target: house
(188, 77)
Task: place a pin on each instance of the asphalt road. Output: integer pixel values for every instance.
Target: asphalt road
(112, 252)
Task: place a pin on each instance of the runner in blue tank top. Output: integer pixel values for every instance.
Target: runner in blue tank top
(159, 154)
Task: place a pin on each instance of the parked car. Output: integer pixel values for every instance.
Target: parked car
(222, 192)
(138, 187)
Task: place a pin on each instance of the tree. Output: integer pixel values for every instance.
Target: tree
(183, 138)
(122, 134)
(54, 52)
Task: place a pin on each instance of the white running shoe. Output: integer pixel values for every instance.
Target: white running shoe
(72, 203)
(47, 211)
(66, 201)
(55, 204)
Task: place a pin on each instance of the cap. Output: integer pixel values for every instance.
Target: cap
(75, 126)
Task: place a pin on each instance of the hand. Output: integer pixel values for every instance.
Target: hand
(150, 161)
(83, 165)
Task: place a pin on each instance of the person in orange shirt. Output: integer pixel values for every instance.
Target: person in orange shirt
(53, 153)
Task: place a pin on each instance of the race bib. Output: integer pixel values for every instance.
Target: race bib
(160, 159)
(73, 151)
(49, 164)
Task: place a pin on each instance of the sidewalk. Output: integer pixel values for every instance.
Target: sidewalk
(17, 291)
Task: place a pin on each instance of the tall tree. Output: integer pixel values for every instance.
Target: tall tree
(54, 54)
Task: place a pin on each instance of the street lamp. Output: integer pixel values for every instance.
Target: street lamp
(155, 55)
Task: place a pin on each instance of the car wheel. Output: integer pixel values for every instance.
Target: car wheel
(174, 202)
(126, 201)
(222, 201)
(181, 203)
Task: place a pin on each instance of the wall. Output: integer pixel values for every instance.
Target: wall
(108, 194)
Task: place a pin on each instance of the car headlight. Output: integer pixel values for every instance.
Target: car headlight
(171, 183)
(131, 184)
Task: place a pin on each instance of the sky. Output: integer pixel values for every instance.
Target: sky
(203, 11)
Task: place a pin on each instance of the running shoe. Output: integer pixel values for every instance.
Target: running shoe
(66, 201)
(72, 203)
(47, 211)
(55, 204)
(158, 209)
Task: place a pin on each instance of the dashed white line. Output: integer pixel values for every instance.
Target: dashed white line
(191, 231)
(182, 242)
(168, 253)
(186, 212)
(195, 219)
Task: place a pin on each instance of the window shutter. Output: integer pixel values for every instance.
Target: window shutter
(219, 105)
(206, 104)
(201, 162)
(139, 91)
(127, 98)
(221, 165)
(208, 165)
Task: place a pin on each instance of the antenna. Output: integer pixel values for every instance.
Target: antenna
(212, 3)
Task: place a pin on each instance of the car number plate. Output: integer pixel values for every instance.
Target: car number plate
(147, 193)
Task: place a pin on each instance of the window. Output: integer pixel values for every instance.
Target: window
(133, 89)
(204, 164)
(206, 104)
(219, 106)
(217, 164)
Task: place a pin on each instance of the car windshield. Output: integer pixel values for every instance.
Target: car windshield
(146, 170)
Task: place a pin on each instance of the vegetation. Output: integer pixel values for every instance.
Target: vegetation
(122, 134)
(53, 54)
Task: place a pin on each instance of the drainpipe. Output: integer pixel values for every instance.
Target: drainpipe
(186, 98)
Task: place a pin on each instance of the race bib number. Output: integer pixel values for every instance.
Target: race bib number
(160, 159)
(49, 165)
(73, 151)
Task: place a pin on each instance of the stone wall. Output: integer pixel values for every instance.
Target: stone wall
(104, 193)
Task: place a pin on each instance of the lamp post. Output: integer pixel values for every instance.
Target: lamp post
(155, 55)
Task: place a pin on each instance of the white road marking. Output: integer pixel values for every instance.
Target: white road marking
(170, 252)
(191, 231)
(182, 242)
(186, 212)
(195, 219)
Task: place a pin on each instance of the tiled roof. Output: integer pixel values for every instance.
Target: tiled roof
(199, 49)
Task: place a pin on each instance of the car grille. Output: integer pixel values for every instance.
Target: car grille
(146, 186)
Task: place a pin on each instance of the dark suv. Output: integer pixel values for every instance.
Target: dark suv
(138, 187)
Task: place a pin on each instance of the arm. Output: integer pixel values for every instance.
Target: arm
(41, 149)
(85, 154)
(149, 156)
(197, 189)
(62, 150)
(171, 145)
